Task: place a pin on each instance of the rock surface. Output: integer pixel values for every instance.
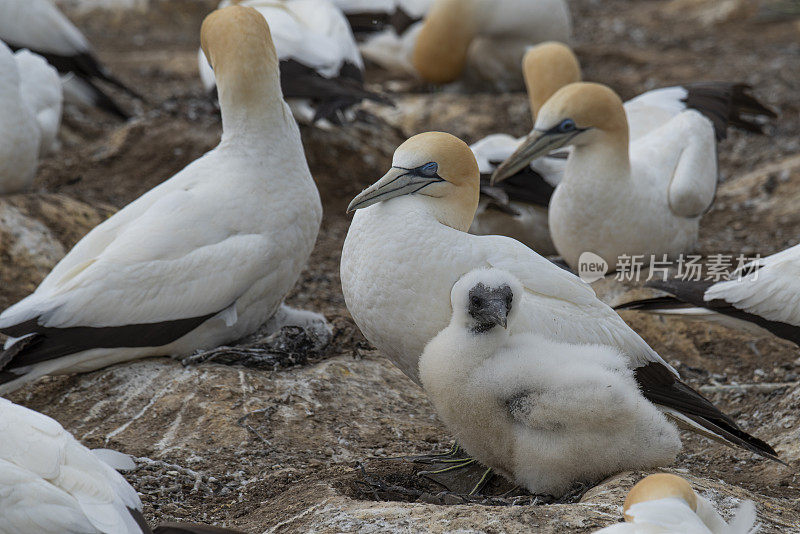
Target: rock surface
(282, 450)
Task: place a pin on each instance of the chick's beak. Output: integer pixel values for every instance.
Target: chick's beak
(397, 182)
(538, 143)
(494, 312)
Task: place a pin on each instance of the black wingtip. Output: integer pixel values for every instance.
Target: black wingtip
(655, 303)
(193, 528)
(727, 104)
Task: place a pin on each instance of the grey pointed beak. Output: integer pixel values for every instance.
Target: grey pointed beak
(395, 183)
(494, 312)
(538, 143)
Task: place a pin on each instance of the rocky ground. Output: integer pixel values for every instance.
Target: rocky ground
(302, 445)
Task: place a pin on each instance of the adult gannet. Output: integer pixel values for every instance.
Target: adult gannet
(516, 207)
(407, 246)
(667, 504)
(39, 26)
(51, 484)
(544, 414)
(204, 258)
(619, 198)
(489, 35)
(41, 90)
(20, 137)
(761, 295)
(322, 72)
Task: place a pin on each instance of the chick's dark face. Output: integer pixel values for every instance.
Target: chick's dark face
(489, 307)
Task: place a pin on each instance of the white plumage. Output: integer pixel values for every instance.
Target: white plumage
(219, 244)
(41, 90)
(39, 26)
(51, 484)
(667, 504)
(421, 210)
(545, 414)
(316, 35)
(20, 136)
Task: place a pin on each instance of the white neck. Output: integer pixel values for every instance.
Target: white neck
(607, 161)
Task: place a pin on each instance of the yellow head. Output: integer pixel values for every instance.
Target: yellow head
(440, 52)
(580, 114)
(238, 45)
(660, 486)
(438, 168)
(548, 67)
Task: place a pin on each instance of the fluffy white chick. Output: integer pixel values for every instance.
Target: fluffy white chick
(544, 414)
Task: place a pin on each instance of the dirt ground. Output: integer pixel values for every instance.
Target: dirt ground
(632, 45)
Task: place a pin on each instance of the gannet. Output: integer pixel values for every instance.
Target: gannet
(489, 35)
(39, 26)
(51, 484)
(616, 199)
(322, 72)
(41, 90)
(667, 504)
(761, 295)
(407, 246)
(516, 207)
(544, 414)
(204, 258)
(20, 137)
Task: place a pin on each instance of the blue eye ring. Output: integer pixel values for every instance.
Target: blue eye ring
(429, 169)
(566, 126)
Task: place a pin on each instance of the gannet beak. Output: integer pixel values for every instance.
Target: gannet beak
(397, 182)
(539, 143)
(494, 312)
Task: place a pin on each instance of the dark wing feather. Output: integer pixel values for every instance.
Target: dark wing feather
(660, 386)
(44, 343)
(193, 528)
(726, 104)
(327, 95)
(687, 294)
(527, 186)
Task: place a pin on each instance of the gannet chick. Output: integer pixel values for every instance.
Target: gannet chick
(51, 484)
(490, 36)
(667, 504)
(646, 199)
(421, 209)
(41, 90)
(322, 73)
(203, 259)
(521, 209)
(763, 295)
(20, 137)
(39, 26)
(544, 414)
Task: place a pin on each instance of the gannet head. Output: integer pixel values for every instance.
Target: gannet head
(238, 45)
(484, 299)
(548, 67)
(438, 169)
(440, 52)
(660, 486)
(579, 114)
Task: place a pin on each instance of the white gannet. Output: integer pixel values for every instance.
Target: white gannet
(761, 295)
(667, 504)
(41, 90)
(488, 36)
(407, 246)
(204, 258)
(544, 414)
(39, 26)
(20, 136)
(516, 207)
(51, 484)
(322, 73)
(618, 198)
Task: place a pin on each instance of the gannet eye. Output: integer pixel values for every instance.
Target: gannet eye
(476, 302)
(566, 126)
(429, 169)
